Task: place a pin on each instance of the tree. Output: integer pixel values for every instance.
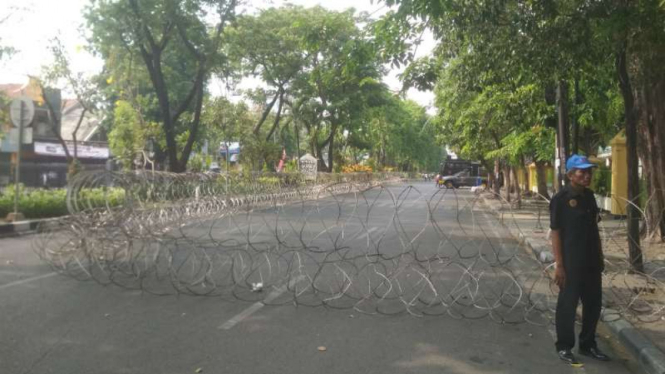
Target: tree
(226, 121)
(557, 40)
(270, 46)
(178, 50)
(340, 81)
(639, 52)
(127, 138)
(397, 134)
(84, 88)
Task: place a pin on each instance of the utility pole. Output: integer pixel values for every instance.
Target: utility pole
(562, 131)
(17, 172)
(22, 111)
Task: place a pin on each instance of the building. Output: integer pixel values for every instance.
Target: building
(43, 160)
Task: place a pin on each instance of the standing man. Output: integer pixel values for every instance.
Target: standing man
(574, 218)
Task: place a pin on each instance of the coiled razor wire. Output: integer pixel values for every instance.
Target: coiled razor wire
(376, 243)
(639, 296)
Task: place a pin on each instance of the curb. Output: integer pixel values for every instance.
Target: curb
(651, 359)
(22, 227)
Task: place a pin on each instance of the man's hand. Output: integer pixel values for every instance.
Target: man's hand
(560, 276)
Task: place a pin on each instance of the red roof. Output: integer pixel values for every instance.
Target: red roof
(12, 90)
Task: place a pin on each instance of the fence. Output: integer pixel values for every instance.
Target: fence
(373, 243)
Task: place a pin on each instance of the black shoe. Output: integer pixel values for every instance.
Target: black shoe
(594, 353)
(568, 356)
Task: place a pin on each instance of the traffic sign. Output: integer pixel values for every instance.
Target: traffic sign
(28, 108)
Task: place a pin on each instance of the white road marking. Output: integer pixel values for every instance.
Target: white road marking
(27, 280)
(258, 305)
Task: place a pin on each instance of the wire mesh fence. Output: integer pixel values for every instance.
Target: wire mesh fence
(376, 243)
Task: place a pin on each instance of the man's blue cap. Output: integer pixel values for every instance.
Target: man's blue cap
(578, 162)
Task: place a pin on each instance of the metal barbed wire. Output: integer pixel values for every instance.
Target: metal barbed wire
(639, 296)
(375, 243)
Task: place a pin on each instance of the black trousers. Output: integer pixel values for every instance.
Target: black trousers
(584, 284)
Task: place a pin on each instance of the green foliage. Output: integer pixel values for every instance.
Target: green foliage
(165, 50)
(399, 134)
(494, 61)
(225, 121)
(260, 155)
(53, 203)
(269, 45)
(128, 136)
(339, 81)
(421, 74)
(35, 204)
(196, 163)
(601, 181)
(291, 166)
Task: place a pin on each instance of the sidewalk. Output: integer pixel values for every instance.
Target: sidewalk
(634, 305)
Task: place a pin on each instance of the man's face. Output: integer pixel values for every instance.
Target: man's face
(581, 177)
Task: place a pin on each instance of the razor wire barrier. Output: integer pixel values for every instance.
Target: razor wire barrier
(639, 296)
(375, 243)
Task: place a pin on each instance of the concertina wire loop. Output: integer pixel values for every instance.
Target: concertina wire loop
(374, 243)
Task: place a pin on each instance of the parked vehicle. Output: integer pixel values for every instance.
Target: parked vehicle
(462, 178)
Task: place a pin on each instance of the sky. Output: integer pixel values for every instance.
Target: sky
(32, 23)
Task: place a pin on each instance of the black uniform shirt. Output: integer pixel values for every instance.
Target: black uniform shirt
(576, 215)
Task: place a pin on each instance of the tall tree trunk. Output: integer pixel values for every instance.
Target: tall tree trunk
(555, 181)
(517, 187)
(575, 138)
(550, 90)
(508, 182)
(541, 177)
(297, 131)
(651, 139)
(266, 112)
(490, 180)
(331, 153)
(278, 117)
(630, 113)
(587, 146)
(496, 188)
(525, 174)
(319, 156)
(490, 176)
(562, 129)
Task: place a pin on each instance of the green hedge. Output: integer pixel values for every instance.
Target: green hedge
(35, 204)
(53, 202)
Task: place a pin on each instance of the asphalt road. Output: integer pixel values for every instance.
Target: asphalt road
(50, 323)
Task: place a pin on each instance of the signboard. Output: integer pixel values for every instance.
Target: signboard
(22, 104)
(308, 166)
(234, 148)
(84, 151)
(9, 142)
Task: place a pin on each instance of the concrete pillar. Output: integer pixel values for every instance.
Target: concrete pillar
(619, 174)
